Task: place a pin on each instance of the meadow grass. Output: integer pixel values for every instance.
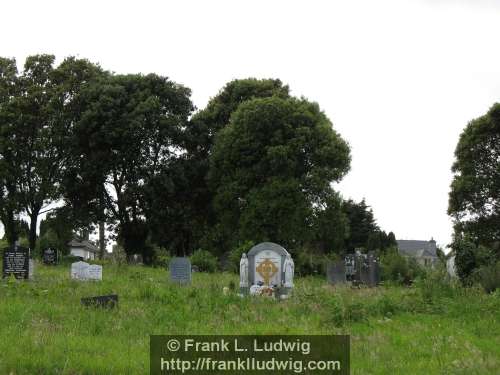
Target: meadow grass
(430, 328)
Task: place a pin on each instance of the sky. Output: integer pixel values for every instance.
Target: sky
(399, 79)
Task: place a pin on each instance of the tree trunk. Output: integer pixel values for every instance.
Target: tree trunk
(102, 244)
(33, 223)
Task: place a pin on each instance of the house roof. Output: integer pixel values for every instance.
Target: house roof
(84, 244)
(417, 248)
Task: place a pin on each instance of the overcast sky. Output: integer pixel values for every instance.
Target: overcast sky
(399, 79)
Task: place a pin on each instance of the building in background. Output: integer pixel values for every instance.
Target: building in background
(84, 248)
(424, 252)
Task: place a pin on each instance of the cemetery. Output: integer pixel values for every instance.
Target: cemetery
(324, 174)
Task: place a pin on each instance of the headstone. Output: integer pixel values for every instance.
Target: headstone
(109, 301)
(50, 256)
(374, 270)
(267, 264)
(16, 261)
(364, 270)
(336, 272)
(350, 267)
(79, 271)
(94, 272)
(180, 270)
(31, 272)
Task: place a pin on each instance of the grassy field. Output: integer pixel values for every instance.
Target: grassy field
(430, 328)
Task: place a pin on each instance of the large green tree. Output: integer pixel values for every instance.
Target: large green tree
(35, 131)
(126, 139)
(271, 165)
(474, 200)
(191, 220)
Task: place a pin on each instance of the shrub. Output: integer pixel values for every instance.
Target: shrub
(235, 255)
(205, 261)
(307, 263)
(488, 277)
(161, 257)
(469, 258)
(399, 269)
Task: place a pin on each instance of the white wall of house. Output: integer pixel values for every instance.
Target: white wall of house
(85, 254)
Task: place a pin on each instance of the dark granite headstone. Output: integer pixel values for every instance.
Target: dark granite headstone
(109, 301)
(16, 261)
(180, 270)
(50, 256)
(336, 272)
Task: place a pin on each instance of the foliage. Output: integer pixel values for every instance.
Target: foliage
(488, 276)
(469, 256)
(274, 161)
(35, 121)
(399, 269)
(308, 262)
(475, 191)
(204, 260)
(126, 136)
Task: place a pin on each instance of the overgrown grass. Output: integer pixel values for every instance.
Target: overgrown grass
(430, 328)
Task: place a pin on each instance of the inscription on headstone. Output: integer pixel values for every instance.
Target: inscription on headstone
(94, 272)
(180, 270)
(16, 262)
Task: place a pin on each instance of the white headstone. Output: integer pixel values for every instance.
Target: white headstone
(94, 272)
(268, 268)
(79, 270)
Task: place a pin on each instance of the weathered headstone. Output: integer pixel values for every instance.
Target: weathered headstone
(79, 270)
(50, 256)
(94, 272)
(336, 272)
(109, 301)
(180, 270)
(16, 261)
(269, 265)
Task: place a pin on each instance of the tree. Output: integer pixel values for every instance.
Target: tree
(8, 190)
(271, 166)
(127, 136)
(362, 226)
(474, 200)
(35, 132)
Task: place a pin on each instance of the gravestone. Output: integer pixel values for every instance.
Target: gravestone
(374, 270)
(180, 270)
(50, 256)
(364, 273)
(17, 262)
(109, 301)
(267, 265)
(31, 272)
(336, 272)
(94, 272)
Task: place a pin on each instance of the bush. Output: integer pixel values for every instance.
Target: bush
(235, 255)
(69, 259)
(399, 269)
(161, 257)
(205, 261)
(307, 263)
(488, 277)
(469, 258)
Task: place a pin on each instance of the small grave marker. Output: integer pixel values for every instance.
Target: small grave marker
(180, 270)
(109, 301)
